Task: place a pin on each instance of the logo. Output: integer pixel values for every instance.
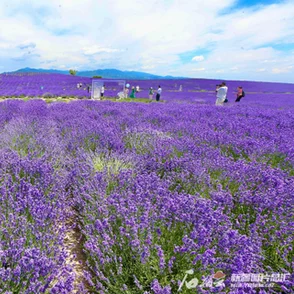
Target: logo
(251, 280)
(213, 281)
(242, 280)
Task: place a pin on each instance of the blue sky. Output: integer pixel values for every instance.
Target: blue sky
(247, 3)
(228, 39)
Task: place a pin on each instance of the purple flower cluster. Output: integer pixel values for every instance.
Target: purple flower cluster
(157, 189)
(32, 204)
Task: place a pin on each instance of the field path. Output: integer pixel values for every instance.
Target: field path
(76, 257)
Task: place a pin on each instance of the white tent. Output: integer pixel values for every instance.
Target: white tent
(97, 84)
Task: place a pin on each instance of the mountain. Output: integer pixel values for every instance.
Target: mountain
(105, 73)
(39, 70)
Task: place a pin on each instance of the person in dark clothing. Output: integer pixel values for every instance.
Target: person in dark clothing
(240, 94)
(159, 91)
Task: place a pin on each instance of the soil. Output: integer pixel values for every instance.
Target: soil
(76, 257)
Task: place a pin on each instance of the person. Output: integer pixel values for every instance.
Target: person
(126, 91)
(133, 95)
(223, 84)
(159, 91)
(221, 94)
(88, 88)
(102, 90)
(240, 94)
(121, 95)
(151, 92)
(137, 89)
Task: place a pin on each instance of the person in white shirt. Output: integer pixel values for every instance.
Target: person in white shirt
(226, 90)
(159, 91)
(221, 94)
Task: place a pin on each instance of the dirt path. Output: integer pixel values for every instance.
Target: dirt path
(76, 257)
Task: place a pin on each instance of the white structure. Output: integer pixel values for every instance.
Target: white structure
(111, 85)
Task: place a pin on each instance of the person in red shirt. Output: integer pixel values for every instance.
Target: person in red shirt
(240, 94)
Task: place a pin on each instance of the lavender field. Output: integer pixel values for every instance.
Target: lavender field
(107, 197)
(37, 85)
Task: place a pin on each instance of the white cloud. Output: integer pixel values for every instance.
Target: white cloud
(278, 70)
(198, 58)
(269, 61)
(198, 69)
(146, 67)
(151, 35)
(27, 45)
(4, 45)
(98, 49)
(282, 70)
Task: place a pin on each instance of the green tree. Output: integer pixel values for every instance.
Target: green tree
(72, 72)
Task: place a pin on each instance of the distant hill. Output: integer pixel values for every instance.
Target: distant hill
(105, 73)
(40, 70)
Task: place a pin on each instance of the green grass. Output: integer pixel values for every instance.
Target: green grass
(142, 100)
(278, 160)
(70, 98)
(201, 90)
(111, 165)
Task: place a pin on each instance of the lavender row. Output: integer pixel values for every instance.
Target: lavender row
(33, 202)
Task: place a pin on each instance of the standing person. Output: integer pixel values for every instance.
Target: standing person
(223, 84)
(159, 91)
(133, 95)
(102, 90)
(221, 94)
(126, 92)
(151, 92)
(137, 89)
(240, 94)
